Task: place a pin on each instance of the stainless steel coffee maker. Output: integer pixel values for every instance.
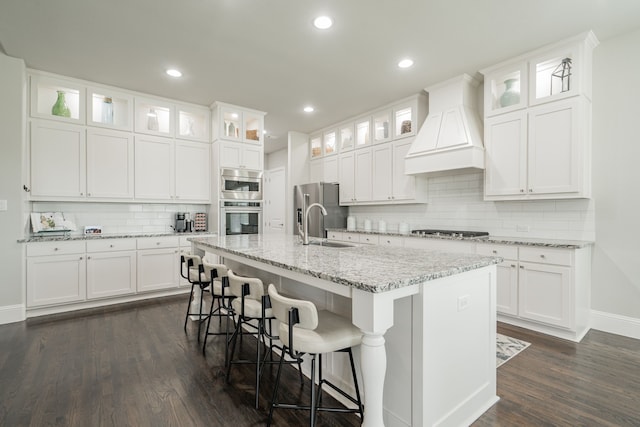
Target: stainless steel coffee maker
(181, 222)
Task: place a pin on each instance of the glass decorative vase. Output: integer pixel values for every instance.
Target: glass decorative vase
(511, 94)
(152, 120)
(60, 107)
(107, 110)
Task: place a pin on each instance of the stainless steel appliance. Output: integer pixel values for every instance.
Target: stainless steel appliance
(328, 195)
(451, 233)
(240, 184)
(181, 222)
(240, 217)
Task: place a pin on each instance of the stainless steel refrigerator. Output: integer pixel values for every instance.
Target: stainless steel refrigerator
(328, 195)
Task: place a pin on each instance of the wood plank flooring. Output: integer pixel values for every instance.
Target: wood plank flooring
(132, 365)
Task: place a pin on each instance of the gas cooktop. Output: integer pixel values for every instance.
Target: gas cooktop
(450, 233)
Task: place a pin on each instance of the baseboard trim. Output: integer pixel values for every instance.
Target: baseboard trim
(12, 313)
(615, 324)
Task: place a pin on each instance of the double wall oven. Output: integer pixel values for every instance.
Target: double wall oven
(240, 202)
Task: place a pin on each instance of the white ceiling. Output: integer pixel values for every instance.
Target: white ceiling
(265, 54)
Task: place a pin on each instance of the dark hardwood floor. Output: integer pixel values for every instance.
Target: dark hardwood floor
(132, 365)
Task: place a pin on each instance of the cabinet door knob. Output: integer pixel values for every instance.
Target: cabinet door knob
(522, 267)
(87, 257)
(513, 266)
(494, 251)
(530, 190)
(82, 194)
(88, 194)
(80, 258)
(55, 249)
(522, 190)
(110, 246)
(542, 256)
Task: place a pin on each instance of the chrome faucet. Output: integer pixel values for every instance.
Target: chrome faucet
(304, 230)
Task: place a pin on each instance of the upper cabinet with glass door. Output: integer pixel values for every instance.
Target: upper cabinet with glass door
(345, 137)
(562, 70)
(315, 144)
(505, 89)
(154, 117)
(192, 122)
(57, 99)
(381, 126)
(238, 124)
(330, 142)
(363, 132)
(109, 108)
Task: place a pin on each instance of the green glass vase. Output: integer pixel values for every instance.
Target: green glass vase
(60, 107)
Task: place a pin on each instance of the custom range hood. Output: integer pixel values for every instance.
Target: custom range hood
(451, 136)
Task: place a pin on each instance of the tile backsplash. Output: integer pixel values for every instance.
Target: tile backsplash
(456, 202)
(117, 217)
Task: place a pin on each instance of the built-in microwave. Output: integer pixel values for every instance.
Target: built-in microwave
(240, 184)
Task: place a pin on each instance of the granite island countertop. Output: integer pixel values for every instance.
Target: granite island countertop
(505, 240)
(370, 268)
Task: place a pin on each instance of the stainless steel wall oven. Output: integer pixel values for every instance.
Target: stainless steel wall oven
(237, 217)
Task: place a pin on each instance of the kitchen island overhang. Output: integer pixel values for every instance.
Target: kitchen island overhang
(452, 301)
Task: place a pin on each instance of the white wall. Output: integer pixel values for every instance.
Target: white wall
(12, 125)
(276, 159)
(616, 176)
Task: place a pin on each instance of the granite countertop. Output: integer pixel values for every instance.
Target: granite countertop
(71, 237)
(505, 240)
(371, 268)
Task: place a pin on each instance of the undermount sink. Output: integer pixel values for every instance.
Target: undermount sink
(330, 244)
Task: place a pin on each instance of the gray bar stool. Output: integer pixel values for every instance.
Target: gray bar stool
(305, 330)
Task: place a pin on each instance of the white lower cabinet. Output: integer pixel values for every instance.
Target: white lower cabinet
(56, 273)
(111, 268)
(157, 263)
(549, 292)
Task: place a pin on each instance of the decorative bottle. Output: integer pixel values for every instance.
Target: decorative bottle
(152, 121)
(60, 107)
(107, 111)
(511, 94)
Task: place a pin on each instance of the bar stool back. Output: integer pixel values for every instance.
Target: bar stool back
(220, 296)
(305, 330)
(191, 268)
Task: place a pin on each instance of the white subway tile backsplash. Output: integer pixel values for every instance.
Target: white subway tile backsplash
(457, 201)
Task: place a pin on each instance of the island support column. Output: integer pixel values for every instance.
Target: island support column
(373, 314)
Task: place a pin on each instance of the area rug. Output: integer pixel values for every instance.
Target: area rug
(507, 348)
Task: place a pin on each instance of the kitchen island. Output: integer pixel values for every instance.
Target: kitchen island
(448, 339)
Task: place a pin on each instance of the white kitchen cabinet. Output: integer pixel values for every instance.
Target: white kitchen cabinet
(507, 280)
(154, 117)
(346, 136)
(109, 108)
(241, 156)
(382, 178)
(154, 168)
(110, 164)
(315, 146)
(192, 122)
(538, 125)
(404, 187)
(48, 91)
(56, 273)
(111, 268)
(362, 175)
(324, 169)
(545, 294)
(316, 170)
(363, 132)
(157, 266)
(444, 245)
(539, 153)
(193, 176)
(330, 142)
(346, 170)
(58, 160)
(238, 124)
(382, 131)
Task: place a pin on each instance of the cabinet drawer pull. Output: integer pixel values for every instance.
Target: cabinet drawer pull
(494, 251)
(542, 256)
(513, 266)
(80, 258)
(522, 267)
(110, 246)
(87, 257)
(55, 249)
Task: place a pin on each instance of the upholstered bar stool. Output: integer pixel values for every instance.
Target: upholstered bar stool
(220, 300)
(191, 268)
(249, 311)
(305, 330)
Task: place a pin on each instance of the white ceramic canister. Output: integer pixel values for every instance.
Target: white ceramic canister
(382, 226)
(403, 228)
(367, 225)
(351, 223)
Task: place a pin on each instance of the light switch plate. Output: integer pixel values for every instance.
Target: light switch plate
(3, 205)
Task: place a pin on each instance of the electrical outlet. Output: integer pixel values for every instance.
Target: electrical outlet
(522, 228)
(463, 302)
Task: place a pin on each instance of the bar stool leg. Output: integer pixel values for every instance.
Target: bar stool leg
(186, 317)
(355, 382)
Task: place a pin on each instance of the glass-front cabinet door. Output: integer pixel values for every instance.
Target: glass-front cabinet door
(315, 142)
(382, 126)
(110, 109)
(253, 127)
(231, 123)
(505, 89)
(154, 117)
(346, 137)
(363, 132)
(330, 142)
(193, 123)
(57, 99)
(554, 75)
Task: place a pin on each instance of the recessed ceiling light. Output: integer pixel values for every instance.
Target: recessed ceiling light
(322, 22)
(308, 109)
(174, 73)
(405, 63)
